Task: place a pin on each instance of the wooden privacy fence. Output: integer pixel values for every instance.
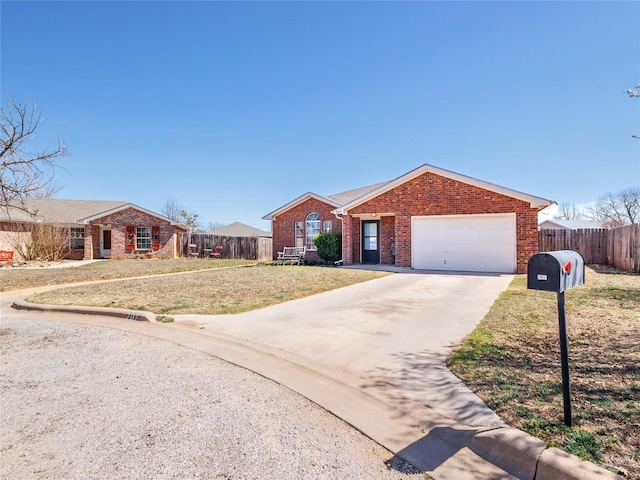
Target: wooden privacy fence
(591, 243)
(247, 248)
(618, 247)
(623, 248)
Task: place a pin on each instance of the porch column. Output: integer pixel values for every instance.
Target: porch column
(88, 242)
(347, 253)
(403, 240)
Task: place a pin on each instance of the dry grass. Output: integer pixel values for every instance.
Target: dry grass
(212, 292)
(512, 362)
(17, 278)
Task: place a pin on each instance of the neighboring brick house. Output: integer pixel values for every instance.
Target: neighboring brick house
(429, 218)
(97, 229)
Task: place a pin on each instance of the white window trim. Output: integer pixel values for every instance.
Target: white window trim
(308, 237)
(139, 237)
(298, 234)
(73, 237)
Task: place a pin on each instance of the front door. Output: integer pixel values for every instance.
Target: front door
(370, 241)
(105, 242)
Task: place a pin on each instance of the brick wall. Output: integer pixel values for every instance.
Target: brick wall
(119, 222)
(283, 227)
(431, 194)
(387, 238)
(356, 242)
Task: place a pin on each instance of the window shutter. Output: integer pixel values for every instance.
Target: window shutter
(155, 238)
(130, 240)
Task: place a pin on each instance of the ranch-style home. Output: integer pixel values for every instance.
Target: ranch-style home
(429, 218)
(96, 229)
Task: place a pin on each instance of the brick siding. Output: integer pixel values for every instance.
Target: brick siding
(431, 194)
(427, 194)
(119, 222)
(283, 227)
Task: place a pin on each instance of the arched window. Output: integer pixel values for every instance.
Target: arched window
(312, 228)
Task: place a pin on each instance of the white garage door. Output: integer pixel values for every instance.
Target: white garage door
(468, 243)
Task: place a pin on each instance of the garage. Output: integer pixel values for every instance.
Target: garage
(468, 243)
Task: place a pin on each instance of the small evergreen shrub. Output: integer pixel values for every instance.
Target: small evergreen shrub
(329, 246)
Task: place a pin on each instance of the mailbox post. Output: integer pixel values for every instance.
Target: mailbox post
(558, 271)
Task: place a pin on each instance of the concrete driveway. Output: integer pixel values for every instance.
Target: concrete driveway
(393, 333)
(373, 355)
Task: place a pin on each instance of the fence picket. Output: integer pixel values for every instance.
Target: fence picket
(618, 247)
(247, 248)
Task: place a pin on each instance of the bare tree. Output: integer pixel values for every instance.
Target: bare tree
(178, 213)
(213, 226)
(24, 173)
(614, 210)
(568, 211)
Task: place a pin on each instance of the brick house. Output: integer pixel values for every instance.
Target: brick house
(96, 229)
(428, 218)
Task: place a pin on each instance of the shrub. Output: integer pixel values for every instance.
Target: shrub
(329, 246)
(41, 241)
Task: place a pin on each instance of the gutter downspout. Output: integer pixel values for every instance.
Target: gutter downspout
(341, 261)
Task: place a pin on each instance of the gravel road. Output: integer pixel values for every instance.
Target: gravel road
(83, 402)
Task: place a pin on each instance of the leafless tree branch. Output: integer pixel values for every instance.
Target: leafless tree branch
(24, 173)
(568, 211)
(614, 210)
(178, 213)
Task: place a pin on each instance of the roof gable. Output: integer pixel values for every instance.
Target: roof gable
(53, 210)
(535, 202)
(298, 201)
(126, 206)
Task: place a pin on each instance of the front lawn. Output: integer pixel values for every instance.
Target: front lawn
(211, 292)
(512, 361)
(16, 278)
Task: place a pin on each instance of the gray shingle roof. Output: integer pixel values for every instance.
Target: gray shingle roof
(350, 195)
(571, 224)
(238, 229)
(347, 200)
(58, 211)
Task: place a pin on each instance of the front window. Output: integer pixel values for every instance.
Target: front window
(143, 238)
(76, 238)
(299, 235)
(312, 229)
(327, 226)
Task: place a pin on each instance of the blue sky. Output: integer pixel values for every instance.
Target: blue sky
(233, 109)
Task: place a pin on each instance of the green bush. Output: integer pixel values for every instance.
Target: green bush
(329, 246)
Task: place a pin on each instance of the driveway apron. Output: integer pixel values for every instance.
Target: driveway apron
(393, 333)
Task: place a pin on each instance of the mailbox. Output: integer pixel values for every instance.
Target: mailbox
(555, 271)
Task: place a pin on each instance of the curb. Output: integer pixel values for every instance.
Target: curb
(417, 434)
(513, 449)
(131, 315)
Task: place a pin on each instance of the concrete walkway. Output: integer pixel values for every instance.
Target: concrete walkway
(394, 333)
(372, 354)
